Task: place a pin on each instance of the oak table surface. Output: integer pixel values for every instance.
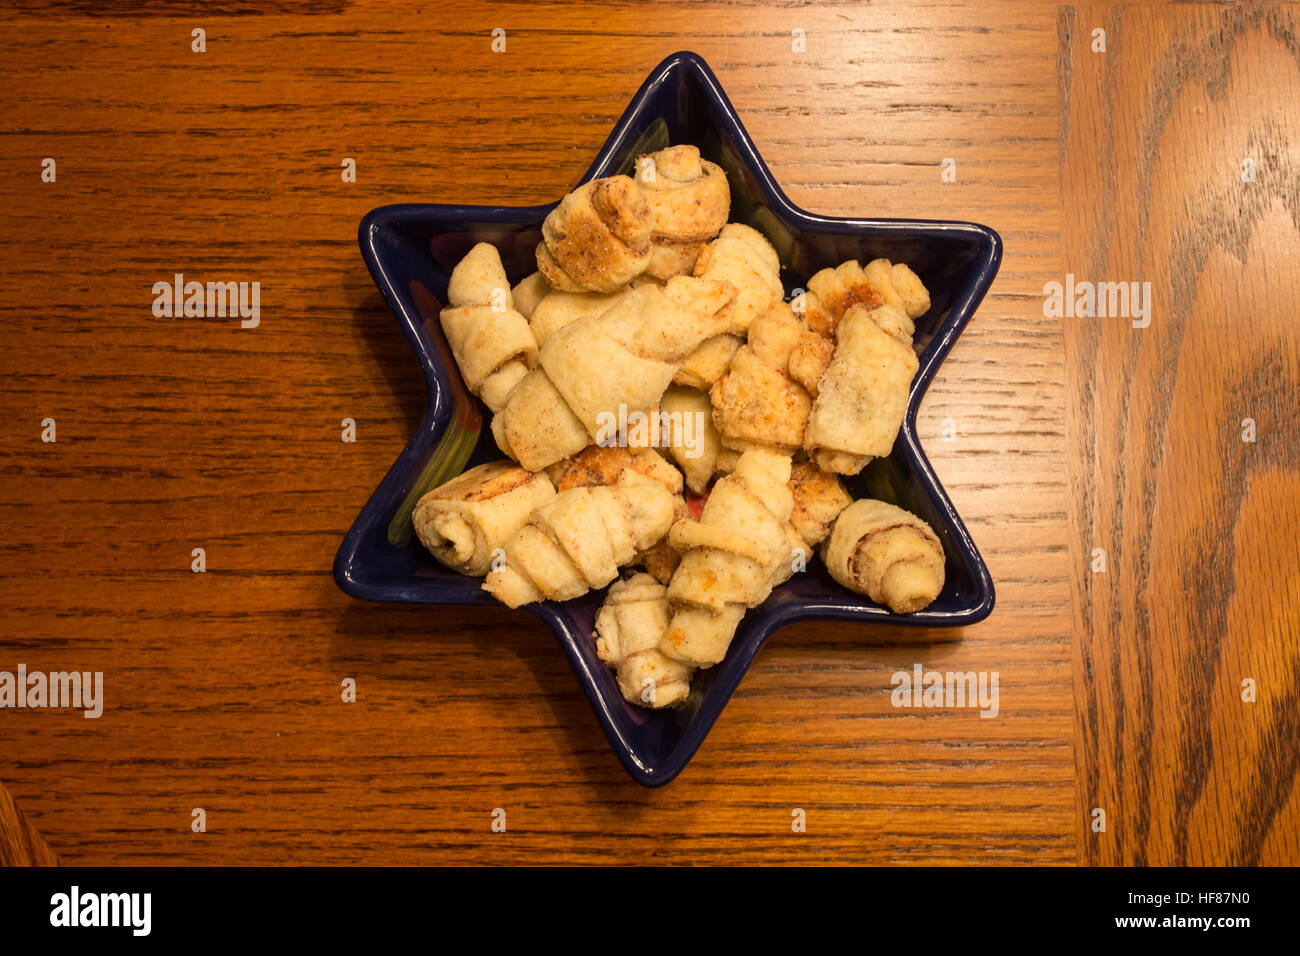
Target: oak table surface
(1056, 438)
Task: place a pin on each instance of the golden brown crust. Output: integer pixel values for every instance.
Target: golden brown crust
(809, 361)
(555, 277)
(484, 482)
(756, 404)
(689, 203)
(598, 465)
(832, 292)
(879, 285)
(819, 497)
(598, 236)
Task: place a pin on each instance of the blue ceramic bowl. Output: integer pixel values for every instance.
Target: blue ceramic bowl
(411, 250)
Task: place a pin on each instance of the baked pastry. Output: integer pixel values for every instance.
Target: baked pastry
(654, 334)
(629, 626)
(741, 256)
(463, 521)
(819, 497)
(563, 308)
(491, 342)
(832, 292)
(579, 539)
(598, 465)
(596, 366)
(809, 360)
(757, 403)
(863, 394)
(529, 293)
(558, 309)
(731, 557)
(693, 440)
(598, 238)
(689, 203)
(709, 361)
(886, 553)
(536, 427)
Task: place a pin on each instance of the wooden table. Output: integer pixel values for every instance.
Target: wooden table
(1120, 690)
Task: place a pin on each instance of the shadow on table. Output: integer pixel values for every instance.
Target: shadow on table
(388, 349)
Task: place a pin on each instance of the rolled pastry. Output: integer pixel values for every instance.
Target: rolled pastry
(908, 285)
(693, 441)
(491, 342)
(689, 203)
(563, 308)
(730, 557)
(708, 362)
(600, 371)
(627, 356)
(819, 497)
(555, 277)
(579, 539)
(863, 394)
(604, 466)
(809, 360)
(529, 293)
(740, 255)
(757, 403)
(628, 627)
(832, 292)
(463, 521)
(777, 333)
(886, 553)
(536, 427)
(597, 238)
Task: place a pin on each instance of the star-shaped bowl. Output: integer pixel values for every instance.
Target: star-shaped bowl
(411, 250)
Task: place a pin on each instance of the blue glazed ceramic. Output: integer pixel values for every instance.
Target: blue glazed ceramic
(411, 250)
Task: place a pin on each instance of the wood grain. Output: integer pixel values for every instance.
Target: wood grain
(223, 688)
(20, 844)
(1202, 590)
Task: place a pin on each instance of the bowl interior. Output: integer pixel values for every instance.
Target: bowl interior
(411, 251)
